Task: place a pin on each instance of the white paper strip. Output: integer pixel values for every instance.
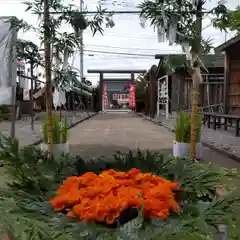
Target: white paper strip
(26, 95)
(59, 98)
(5, 61)
(161, 34)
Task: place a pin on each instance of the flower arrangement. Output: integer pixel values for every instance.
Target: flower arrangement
(26, 201)
(102, 198)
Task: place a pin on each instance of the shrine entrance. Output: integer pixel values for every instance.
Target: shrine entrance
(117, 94)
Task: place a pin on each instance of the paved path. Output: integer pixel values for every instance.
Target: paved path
(107, 133)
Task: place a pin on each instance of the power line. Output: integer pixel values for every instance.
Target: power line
(113, 56)
(115, 47)
(133, 12)
(128, 54)
(121, 53)
(118, 58)
(142, 37)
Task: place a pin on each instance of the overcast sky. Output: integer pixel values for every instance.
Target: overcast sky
(127, 37)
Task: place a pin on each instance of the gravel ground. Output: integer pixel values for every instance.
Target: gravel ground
(27, 136)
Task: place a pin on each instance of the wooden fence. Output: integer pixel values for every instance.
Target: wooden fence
(211, 92)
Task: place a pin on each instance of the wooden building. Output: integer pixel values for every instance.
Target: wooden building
(180, 82)
(231, 49)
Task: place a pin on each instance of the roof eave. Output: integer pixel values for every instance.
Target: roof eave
(227, 44)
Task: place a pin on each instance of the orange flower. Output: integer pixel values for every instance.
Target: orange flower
(103, 197)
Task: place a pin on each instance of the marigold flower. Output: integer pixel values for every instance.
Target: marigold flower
(103, 197)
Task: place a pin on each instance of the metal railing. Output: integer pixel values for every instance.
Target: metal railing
(210, 108)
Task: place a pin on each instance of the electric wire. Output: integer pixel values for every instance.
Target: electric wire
(112, 11)
(126, 48)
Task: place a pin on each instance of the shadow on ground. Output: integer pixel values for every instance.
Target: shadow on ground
(96, 150)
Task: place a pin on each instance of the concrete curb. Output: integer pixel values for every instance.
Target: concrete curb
(218, 150)
(73, 125)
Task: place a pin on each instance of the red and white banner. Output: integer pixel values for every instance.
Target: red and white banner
(120, 96)
(105, 96)
(132, 97)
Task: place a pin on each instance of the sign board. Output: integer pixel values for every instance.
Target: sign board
(120, 96)
(132, 97)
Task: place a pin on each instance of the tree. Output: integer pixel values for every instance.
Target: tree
(140, 88)
(181, 22)
(29, 52)
(141, 92)
(229, 21)
(52, 14)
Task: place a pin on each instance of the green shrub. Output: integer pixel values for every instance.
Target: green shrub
(5, 112)
(60, 130)
(26, 213)
(183, 128)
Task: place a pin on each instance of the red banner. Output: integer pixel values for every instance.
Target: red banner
(105, 96)
(132, 97)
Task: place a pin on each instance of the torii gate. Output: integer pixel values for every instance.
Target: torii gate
(101, 73)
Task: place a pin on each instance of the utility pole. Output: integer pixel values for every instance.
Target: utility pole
(48, 91)
(81, 45)
(13, 77)
(31, 96)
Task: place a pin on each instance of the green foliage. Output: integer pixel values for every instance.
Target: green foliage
(65, 78)
(228, 20)
(26, 213)
(183, 13)
(197, 180)
(5, 112)
(173, 63)
(65, 43)
(20, 24)
(28, 51)
(183, 128)
(140, 89)
(30, 170)
(60, 130)
(67, 14)
(162, 13)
